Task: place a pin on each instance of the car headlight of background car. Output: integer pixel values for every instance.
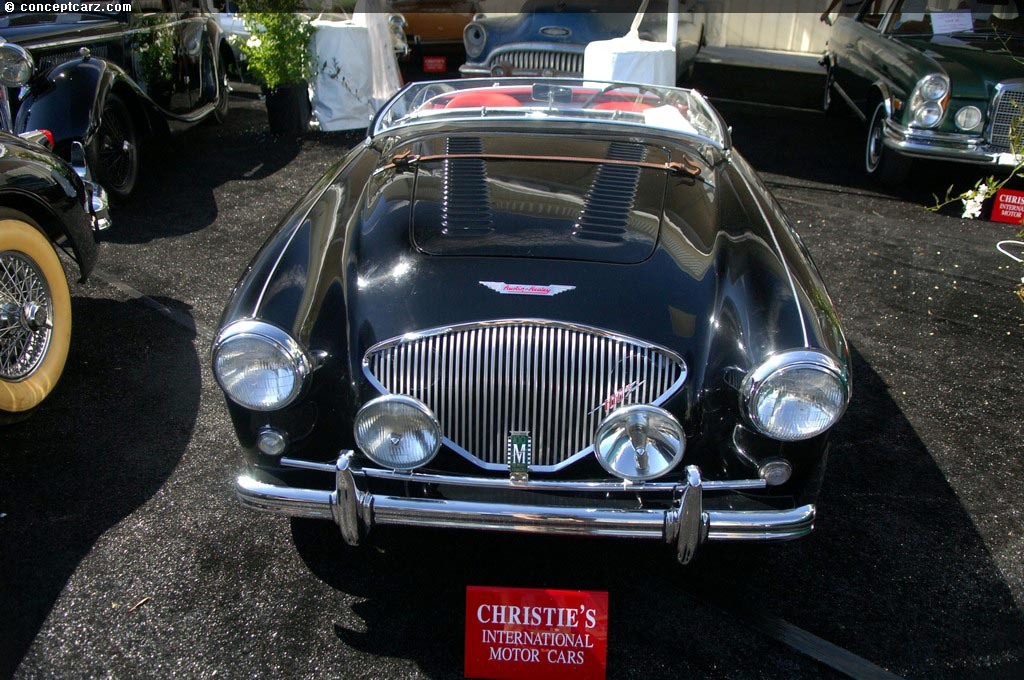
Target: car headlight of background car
(474, 37)
(928, 101)
(16, 64)
(795, 395)
(259, 366)
(397, 432)
(968, 118)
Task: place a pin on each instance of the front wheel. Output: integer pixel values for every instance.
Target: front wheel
(114, 152)
(35, 315)
(882, 163)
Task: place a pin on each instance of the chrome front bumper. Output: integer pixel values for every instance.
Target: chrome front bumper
(929, 144)
(686, 525)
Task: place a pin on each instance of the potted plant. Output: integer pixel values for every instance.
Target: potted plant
(279, 59)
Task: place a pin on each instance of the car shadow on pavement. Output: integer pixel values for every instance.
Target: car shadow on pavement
(97, 449)
(895, 573)
(181, 189)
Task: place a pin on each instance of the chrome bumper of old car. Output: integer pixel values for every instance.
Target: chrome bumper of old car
(685, 525)
(963, 148)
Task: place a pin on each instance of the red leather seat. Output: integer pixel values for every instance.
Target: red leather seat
(622, 106)
(472, 100)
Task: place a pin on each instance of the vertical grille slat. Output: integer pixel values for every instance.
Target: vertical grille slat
(556, 381)
(1007, 116)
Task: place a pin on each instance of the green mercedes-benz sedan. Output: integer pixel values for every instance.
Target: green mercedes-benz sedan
(939, 79)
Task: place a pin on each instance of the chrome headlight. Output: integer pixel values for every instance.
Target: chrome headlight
(259, 366)
(795, 395)
(639, 442)
(16, 65)
(397, 432)
(474, 36)
(927, 103)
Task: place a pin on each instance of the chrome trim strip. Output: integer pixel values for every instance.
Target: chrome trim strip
(512, 348)
(686, 525)
(531, 485)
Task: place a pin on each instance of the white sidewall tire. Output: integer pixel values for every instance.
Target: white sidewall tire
(23, 395)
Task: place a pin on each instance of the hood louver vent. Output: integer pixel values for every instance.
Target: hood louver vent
(609, 201)
(466, 205)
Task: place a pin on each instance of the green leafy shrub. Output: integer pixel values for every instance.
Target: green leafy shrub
(278, 49)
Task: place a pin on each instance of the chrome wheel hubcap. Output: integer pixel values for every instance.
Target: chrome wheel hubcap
(26, 316)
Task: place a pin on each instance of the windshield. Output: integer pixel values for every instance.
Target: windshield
(554, 99)
(948, 17)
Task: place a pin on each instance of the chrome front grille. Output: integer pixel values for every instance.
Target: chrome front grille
(553, 380)
(1008, 116)
(537, 61)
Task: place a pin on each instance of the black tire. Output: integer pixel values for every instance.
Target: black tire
(114, 153)
(883, 164)
(828, 103)
(220, 111)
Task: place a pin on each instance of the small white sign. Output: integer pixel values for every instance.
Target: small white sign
(952, 22)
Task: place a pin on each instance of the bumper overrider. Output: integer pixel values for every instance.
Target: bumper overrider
(685, 525)
(948, 146)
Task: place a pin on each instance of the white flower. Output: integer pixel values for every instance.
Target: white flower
(982, 191)
(972, 208)
(253, 41)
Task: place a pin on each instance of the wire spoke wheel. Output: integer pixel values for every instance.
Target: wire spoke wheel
(115, 149)
(26, 316)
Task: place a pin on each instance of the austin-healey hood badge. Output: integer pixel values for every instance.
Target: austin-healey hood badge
(526, 288)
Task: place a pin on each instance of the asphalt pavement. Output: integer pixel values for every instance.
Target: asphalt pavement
(124, 554)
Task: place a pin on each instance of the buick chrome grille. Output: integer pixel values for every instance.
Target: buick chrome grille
(554, 380)
(1007, 117)
(535, 61)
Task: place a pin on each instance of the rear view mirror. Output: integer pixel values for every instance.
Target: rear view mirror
(543, 92)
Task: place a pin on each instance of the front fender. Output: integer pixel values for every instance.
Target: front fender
(69, 100)
(46, 189)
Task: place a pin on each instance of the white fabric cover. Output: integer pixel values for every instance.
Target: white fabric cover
(356, 71)
(630, 60)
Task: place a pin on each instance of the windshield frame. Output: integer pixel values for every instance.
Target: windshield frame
(712, 129)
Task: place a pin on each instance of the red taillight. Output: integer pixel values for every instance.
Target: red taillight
(49, 137)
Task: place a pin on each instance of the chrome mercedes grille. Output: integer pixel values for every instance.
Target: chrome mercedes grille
(553, 380)
(526, 62)
(1008, 119)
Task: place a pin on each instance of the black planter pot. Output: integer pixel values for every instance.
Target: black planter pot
(288, 108)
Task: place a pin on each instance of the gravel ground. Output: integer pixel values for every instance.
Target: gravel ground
(123, 554)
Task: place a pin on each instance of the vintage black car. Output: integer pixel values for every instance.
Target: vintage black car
(548, 306)
(44, 202)
(108, 80)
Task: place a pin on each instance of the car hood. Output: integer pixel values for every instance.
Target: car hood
(974, 63)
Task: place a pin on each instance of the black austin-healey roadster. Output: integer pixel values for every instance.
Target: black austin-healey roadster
(554, 306)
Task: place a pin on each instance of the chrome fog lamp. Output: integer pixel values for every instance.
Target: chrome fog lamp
(16, 65)
(259, 366)
(795, 395)
(474, 36)
(968, 118)
(397, 432)
(775, 471)
(639, 442)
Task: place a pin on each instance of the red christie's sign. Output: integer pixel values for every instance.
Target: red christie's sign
(533, 633)
(1009, 206)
